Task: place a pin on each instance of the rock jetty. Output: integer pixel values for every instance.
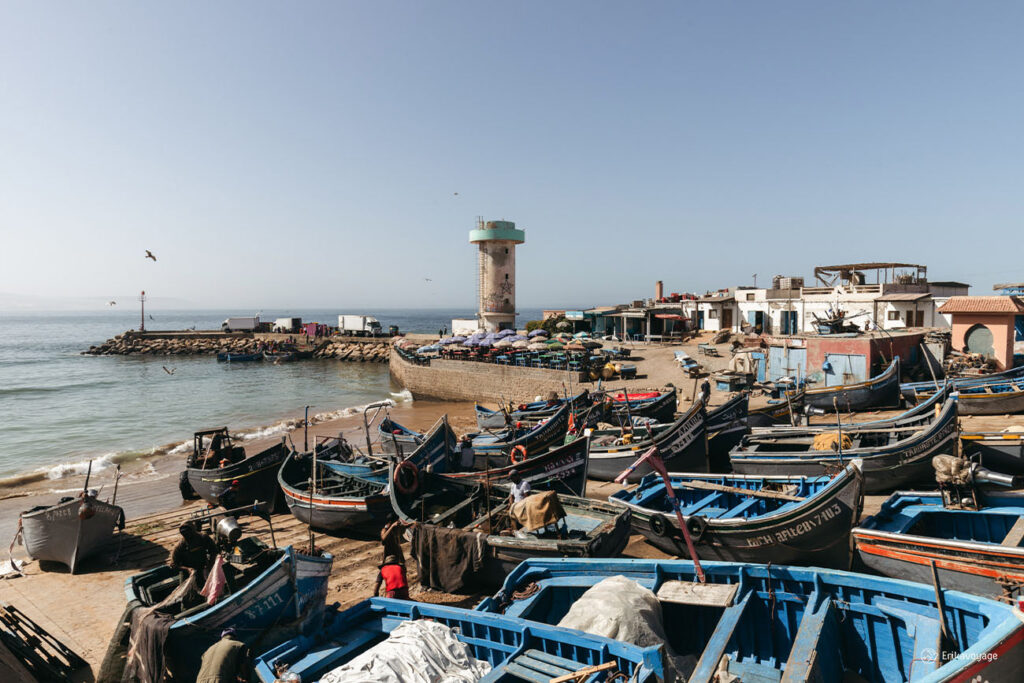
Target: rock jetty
(134, 343)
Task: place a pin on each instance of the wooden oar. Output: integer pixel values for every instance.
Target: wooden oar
(711, 486)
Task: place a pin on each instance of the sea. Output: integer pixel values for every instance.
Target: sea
(61, 410)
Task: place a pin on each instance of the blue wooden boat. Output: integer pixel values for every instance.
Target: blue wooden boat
(497, 448)
(517, 650)
(881, 391)
(397, 438)
(911, 390)
(346, 495)
(890, 457)
(975, 550)
(562, 469)
(992, 397)
(681, 445)
(660, 408)
(227, 357)
(534, 411)
(436, 457)
(271, 594)
(591, 528)
(780, 519)
(790, 624)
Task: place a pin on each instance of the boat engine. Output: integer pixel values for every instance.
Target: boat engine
(958, 477)
(227, 532)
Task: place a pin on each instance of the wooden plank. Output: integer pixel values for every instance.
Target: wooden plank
(1015, 535)
(710, 486)
(583, 673)
(690, 593)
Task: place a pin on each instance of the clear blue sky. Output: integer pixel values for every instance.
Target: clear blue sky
(307, 154)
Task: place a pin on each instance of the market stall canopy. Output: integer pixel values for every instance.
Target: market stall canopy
(670, 316)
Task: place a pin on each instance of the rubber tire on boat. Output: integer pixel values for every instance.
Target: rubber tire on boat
(187, 492)
(112, 667)
(659, 525)
(696, 526)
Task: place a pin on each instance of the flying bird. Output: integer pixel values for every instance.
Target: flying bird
(169, 372)
(151, 317)
(456, 194)
(149, 254)
(428, 279)
(112, 303)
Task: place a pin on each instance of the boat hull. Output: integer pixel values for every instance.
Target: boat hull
(878, 392)
(682, 447)
(660, 409)
(885, 468)
(56, 534)
(726, 425)
(256, 476)
(816, 531)
(1002, 452)
(561, 469)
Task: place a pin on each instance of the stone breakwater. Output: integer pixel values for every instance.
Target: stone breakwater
(130, 344)
(365, 352)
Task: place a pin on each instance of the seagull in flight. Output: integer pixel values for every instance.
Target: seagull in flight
(428, 279)
(149, 254)
(151, 317)
(112, 303)
(169, 372)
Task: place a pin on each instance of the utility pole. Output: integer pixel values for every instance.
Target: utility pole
(755, 280)
(142, 319)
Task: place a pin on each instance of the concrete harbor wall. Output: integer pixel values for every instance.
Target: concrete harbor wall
(458, 380)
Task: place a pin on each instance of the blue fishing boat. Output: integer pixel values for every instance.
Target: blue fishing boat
(345, 495)
(271, 594)
(436, 456)
(725, 426)
(881, 391)
(790, 624)
(660, 407)
(534, 411)
(216, 461)
(780, 519)
(397, 438)
(227, 357)
(517, 650)
(1000, 451)
(891, 456)
(681, 444)
(911, 390)
(562, 469)
(978, 550)
(1001, 396)
(495, 449)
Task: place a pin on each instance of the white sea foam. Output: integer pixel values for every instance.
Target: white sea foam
(403, 396)
(70, 469)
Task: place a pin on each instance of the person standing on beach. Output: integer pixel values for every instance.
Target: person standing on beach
(392, 575)
(391, 538)
(467, 456)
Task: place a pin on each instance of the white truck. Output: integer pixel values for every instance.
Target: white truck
(358, 325)
(288, 325)
(242, 324)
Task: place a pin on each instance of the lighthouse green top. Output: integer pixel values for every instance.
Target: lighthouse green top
(498, 230)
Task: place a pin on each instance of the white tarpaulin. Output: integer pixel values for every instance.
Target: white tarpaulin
(622, 609)
(415, 652)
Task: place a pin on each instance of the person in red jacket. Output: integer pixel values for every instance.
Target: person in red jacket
(392, 575)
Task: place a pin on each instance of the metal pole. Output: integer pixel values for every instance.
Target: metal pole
(839, 426)
(88, 473)
(305, 432)
(117, 480)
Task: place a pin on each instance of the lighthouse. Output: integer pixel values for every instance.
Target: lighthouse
(496, 276)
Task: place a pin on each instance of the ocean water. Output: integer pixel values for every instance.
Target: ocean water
(60, 409)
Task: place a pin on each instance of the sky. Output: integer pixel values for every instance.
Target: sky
(322, 154)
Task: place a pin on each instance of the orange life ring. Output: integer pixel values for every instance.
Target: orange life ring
(521, 449)
(407, 477)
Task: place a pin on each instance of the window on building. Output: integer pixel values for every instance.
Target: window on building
(894, 315)
(506, 276)
(750, 297)
(712, 314)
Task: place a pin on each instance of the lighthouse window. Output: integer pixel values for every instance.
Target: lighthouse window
(506, 250)
(506, 276)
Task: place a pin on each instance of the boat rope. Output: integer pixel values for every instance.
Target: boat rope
(526, 591)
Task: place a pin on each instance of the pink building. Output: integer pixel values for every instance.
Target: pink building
(985, 325)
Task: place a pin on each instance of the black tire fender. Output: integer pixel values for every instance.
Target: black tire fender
(185, 486)
(696, 525)
(659, 525)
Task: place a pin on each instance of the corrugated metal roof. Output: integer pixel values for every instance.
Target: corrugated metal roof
(982, 304)
(904, 296)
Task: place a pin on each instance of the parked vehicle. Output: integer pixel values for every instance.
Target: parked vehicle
(241, 324)
(359, 325)
(288, 325)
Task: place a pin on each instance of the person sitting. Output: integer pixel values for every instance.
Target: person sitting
(467, 456)
(194, 551)
(229, 497)
(520, 487)
(392, 575)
